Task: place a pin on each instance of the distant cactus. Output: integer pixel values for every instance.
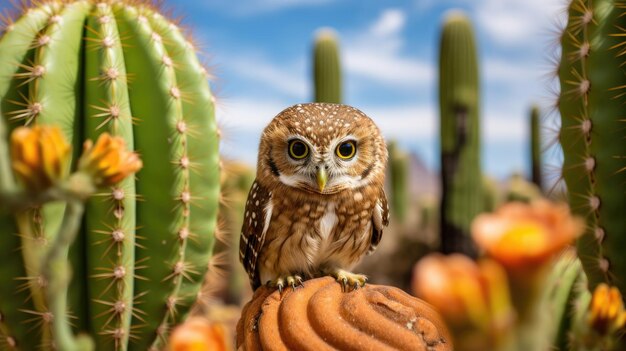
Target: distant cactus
(535, 146)
(459, 100)
(592, 136)
(520, 189)
(491, 194)
(399, 174)
(120, 67)
(326, 67)
(237, 178)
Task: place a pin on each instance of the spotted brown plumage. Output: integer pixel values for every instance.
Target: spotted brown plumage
(317, 207)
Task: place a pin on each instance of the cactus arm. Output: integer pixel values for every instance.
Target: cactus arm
(110, 218)
(535, 147)
(460, 133)
(398, 169)
(160, 214)
(57, 270)
(326, 69)
(203, 169)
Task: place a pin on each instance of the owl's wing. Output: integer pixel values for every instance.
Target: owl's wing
(380, 219)
(255, 223)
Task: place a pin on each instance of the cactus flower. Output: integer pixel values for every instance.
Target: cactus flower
(473, 297)
(606, 312)
(522, 235)
(197, 334)
(108, 161)
(39, 156)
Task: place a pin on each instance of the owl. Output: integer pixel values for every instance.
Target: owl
(317, 204)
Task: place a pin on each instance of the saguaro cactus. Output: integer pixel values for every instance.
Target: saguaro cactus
(593, 137)
(460, 147)
(326, 67)
(399, 172)
(535, 146)
(120, 67)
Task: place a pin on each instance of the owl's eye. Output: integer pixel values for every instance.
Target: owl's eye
(298, 150)
(346, 150)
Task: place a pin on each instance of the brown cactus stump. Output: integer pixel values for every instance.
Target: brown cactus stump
(320, 316)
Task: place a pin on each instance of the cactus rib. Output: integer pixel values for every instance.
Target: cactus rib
(591, 105)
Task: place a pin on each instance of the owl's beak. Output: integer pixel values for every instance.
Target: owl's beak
(322, 177)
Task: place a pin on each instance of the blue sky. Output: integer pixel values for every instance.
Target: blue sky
(260, 54)
(260, 51)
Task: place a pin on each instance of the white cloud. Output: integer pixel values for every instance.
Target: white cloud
(503, 126)
(286, 78)
(515, 22)
(376, 53)
(390, 22)
(408, 121)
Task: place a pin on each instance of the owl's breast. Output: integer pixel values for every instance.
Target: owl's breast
(308, 233)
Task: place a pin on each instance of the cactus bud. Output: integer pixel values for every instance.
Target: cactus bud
(39, 156)
(606, 312)
(197, 334)
(108, 161)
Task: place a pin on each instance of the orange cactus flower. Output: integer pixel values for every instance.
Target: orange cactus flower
(473, 297)
(39, 156)
(198, 334)
(606, 312)
(522, 235)
(108, 161)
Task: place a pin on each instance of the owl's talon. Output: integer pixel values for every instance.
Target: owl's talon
(349, 281)
(283, 282)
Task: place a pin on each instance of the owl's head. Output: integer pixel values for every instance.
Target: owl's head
(322, 148)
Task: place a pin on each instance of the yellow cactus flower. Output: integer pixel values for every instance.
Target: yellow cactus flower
(39, 156)
(108, 161)
(473, 297)
(522, 236)
(606, 311)
(198, 334)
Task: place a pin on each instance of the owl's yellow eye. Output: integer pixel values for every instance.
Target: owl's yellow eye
(298, 150)
(346, 150)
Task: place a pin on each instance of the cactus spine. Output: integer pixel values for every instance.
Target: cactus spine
(143, 247)
(592, 133)
(535, 146)
(326, 67)
(460, 148)
(399, 172)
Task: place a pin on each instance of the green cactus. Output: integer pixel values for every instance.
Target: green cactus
(399, 174)
(593, 85)
(520, 189)
(491, 194)
(143, 246)
(535, 146)
(565, 284)
(462, 196)
(236, 182)
(326, 67)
